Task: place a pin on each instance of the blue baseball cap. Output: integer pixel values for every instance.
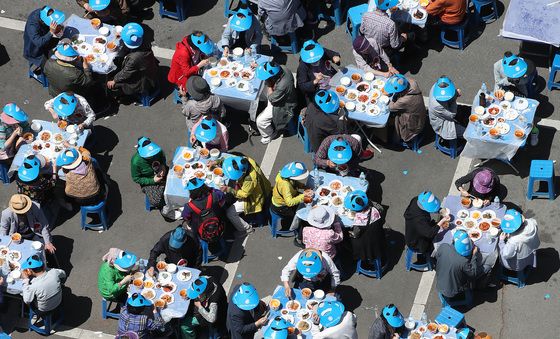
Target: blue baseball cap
(234, 167)
(514, 66)
(177, 238)
(29, 170)
(444, 89)
(327, 100)
(132, 35)
(56, 16)
(99, 5)
(340, 151)
(267, 70)
(32, 262)
(356, 201)
(138, 300)
(147, 148)
(309, 263)
(194, 183)
(65, 104)
(242, 20)
(207, 130)
(294, 170)
(330, 313)
(203, 43)
(68, 157)
(246, 297)
(511, 221)
(66, 50)
(393, 316)
(125, 261)
(197, 287)
(311, 52)
(13, 111)
(396, 84)
(429, 202)
(385, 4)
(462, 243)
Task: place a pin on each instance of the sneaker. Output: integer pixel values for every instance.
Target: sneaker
(298, 243)
(366, 154)
(265, 140)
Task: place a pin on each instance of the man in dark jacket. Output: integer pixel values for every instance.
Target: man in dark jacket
(420, 228)
(245, 312)
(315, 69)
(179, 248)
(323, 117)
(113, 12)
(42, 31)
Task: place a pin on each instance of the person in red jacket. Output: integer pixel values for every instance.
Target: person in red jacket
(189, 58)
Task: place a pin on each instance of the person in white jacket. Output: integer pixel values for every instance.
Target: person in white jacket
(519, 241)
(337, 323)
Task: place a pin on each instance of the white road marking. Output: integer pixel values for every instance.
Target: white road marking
(16, 25)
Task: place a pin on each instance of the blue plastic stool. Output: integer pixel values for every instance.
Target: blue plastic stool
(376, 273)
(48, 323)
(338, 15)
(553, 69)
(467, 300)
(4, 173)
(450, 317)
(414, 144)
(303, 136)
(41, 78)
(291, 48)
(480, 4)
(207, 256)
(179, 13)
(276, 225)
(519, 279)
(419, 267)
(105, 307)
(541, 170)
(227, 10)
(459, 29)
(146, 99)
(176, 97)
(453, 151)
(98, 209)
(354, 20)
(257, 219)
(147, 202)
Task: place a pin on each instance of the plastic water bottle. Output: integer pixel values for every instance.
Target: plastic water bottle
(363, 180)
(534, 136)
(483, 88)
(315, 175)
(496, 200)
(424, 318)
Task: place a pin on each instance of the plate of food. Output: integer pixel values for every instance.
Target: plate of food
(373, 110)
(293, 305)
(224, 74)
(98, 49)
(378, 84)
(58, 138)
(85, 48)
(184, 275)
(489, 122)
(484, 226)
(345, 81)
(488, 214)
(198, 165)
(4, 250)
(100, 40)
(14, 255)
(369, 76)
(188, 155)
(168, 298)
(363, 87)
(458, 222)
(303, 325)
(243, 86)
(363, 98)
(422, 329)
(476, 215)
(352, 94)
(247, 74)
(462, 214)
(148, 293)
(231, 82)
(160, 303)
(340, 90)
(149, 283)
(519, 133)
(288, 317)
(443, 328)
(112, 45)
(311, 305)
(337, 201)
(469, 223)
(475, 234)
(493, 109)
(505, 105)
(90, 58)
(438, 336)
(44, 136)
(419, 14)
(346, 189)
(503, 128)
(223, 62)
(521, 104)
(324, 191)
(335, 185)
(432, 327)
(164, 277)
(361, 107)
(138, 283)
(169, 287)
(356, 77)
(236, 66)
(415, 335)
(304, 314)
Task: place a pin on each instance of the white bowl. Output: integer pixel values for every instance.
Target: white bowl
(509, 96)
(118, 29)
(384, 99)
(36, 126)
(16, 274)
(71, 129)
(214, 153)
(238, 51)
(104, 31)
(369, 76)
(171, 268)
(350, 106)
(37, 245)
(319, 294)
(215, 82)
(345, 81)
(479, 110)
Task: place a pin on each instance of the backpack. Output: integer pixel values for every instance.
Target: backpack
(211, 227)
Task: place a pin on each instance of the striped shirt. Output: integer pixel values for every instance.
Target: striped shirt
(378, 25)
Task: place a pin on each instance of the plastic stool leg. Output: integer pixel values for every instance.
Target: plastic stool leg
(530, 188)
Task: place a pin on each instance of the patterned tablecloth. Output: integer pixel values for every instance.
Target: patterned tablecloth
(26, 250)
(405, 12)
(532, 20)
(451, 334)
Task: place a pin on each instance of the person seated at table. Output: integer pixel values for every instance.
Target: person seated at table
(200, 101)
(315, 70)
(65, 74)
(340, 153)
(42, 286)
(139, 70)
(190, 57)
(519, 241)
(389, 325)
(447, 12)
(242, 30)
(282, 100)
(178, 247)
(515, 74)
(109, 11)
(248, 186)
(149, 170)
(208, 203)
(442, 109)
(407, 106)
(420, 228)
(370, 57)
(71, 108)
(285, 195)
(324, 230)
(13, 124)
(483, 182)
(210, 133)
(323, 117)
(313, 269)
(114, 276)
(336, 321)
(457, 265)
(140, 316)
(42, 32)
(35, 179)
(367, 235)
(281, 17)
(85, 184)
(208, 310)
(377, 25)
(278, 328)
(246, 313)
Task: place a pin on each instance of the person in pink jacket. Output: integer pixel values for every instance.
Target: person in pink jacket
(324, 232)
(210, 133)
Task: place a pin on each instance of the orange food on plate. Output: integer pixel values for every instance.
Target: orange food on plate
(178, 169)
(111, 45)
(16, 237)
(306, 293)
(204, 153)
(274, 304)
(494, 132)
(496, 222)
(62, 124)
(499, 94)
(45, 136)
(28, 136)
(224, 74)
(484, 226)
(340, 89)
(148, 284)
(160, 303)
(466, 202)
(356, 77)
(493, 110)
(213, 72)
(335, 185)
(90, 58)
(218, 171)
(161, 265)
(473, 118)
(432, 327)
(183, 292)
(138, 283)
(519, 133)
(95, 22)
(341, 104)
(167, 298)
(199, 174)
(363, 98)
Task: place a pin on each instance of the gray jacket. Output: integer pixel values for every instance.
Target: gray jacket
(9, 222)
(454, 272)
(442, 118)
(281, 16)
(283, 99)
(253, 36)
(46, 289)
(193, 109)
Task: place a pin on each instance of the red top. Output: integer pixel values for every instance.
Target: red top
(181, 64)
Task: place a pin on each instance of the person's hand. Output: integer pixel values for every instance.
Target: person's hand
(287, 291)
(269, 90)
(475, 250)
(393, 70)
(260, 323)
(248, 51)
(157, 178)
(53, 27)
(81, 127)
(464, 193)
(396, 336)
(150, 272)
(193, 138)
(126, 280)
(211, 163)
(319, 76)
(110, 84)
(444, 222)
(254, 65)
(503, 236)
(404, 36)
(459, 93)
(182, 91)
(336, 59)
(88, 8)
(225, 54)
(316, 318)
(53, 114)
(17, 131)
(50, 247)
(202, 63)
(485, 202)
(197, 304)
(331, 164)
(1, 280)
(85, 63)
(223, 188)
(331, 293)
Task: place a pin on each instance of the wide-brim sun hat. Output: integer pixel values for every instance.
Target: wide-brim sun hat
(328, 101)
(294, 170)
(147, 148)
(132, 35)
(207, 130)
(393, 316)
(65, 104)
(511, 221)
(428, 202)
(198, 87)
(69, 159)
(241, 20)
(330, 313)
(56, 16)
(246, 297)
(483, 181)
(444, 89)
(321, 216)
(515, 67)
(396, 84)
(126, 261)
(65, 52)
(311, 52)
(340, 152)
(20, 203)
(197, 288)
(99, 5)
(267, 70)
(12, 114)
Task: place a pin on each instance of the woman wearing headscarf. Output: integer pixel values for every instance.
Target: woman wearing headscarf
(370, 57)
(483, 182)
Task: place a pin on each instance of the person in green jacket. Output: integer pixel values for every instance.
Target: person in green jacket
(114, 276)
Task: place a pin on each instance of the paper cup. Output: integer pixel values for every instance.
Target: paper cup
(171, 268)
(319, 294)
(36, 126)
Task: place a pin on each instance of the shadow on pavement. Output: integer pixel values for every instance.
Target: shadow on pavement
(64, 248)
(350, 296)
(548, 263)
(77, 309)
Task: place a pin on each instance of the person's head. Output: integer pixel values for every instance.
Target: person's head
(392, 317)
(69, 159)
(512, 221)
(356, 201)
(384, 5)
(514, 66)
(30, 169)
(246, 297)
(198, 88)
(132, 35)
(484, 181)
(146, 148)
(428, 202)
(65, 104)
(13, 115)
(311, 52)
(99, 5)
(269, 71)
(310, 263)
(362, 46)
(464, 333)
(20, 204)
(65, 52)
(241, 20)
(34, 265)
(136, 304)
(200, 42)
(296, 171)
(278, 329)
(321, 216)
(330, 313)
(198, 288)
(340, 151)
(235, 167)
(396, 85)
(48, 15)
(178, 238)
(327, 101)
(207, 130)
(197, 188)
(462, 243)
(126, 262)
(444, 89)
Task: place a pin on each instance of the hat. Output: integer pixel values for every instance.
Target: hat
(340, 151)
(234, 167)
(69, 159)
(267, 70)
(132, 35)
(12, 114)
(310, 263)
(147, 148)
(177, 238)
(327, 101)
(444, 89)
(483, 181)
(32, 262)
(194, 183)
(321, 216)
(125, 261)
(330, 313)
(138, 300)
(65, 104)
(393, 316)
(356, 201)
(20, 203)
(197, 287)
(197, 87)
(428, 202)
(207, 130)
(99, 5)
(311, 52)
(29, 170)
(463, 333)
(385, 4)
(514, 66)
(294, 170)
(65, 52)
(511, 221)
(242, 20)
(462, 243)
(203, 43)
(278, 329)
(246, 297)
(280, 323)
(56, 16)
(362, 46)
(396, 84)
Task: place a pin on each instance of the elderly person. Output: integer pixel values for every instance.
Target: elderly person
(285, 195)
(13, 124)
(140, 316)
(281, 17)
(25, 217)
(242, 30)
(336, 321)
(483, 182)
(407, 106)
(178, 247)
(246, 313)
(282, 100)
(315, 69)
(516, 74)
(35, 179)
(377, 25)
(200, 102)
(442, 109)
(518, 241)
(323, 232)
(43, 29)
(71, 108)
(42, 287)
(370, 57)
(323, 117)
(210, 133)
(448, 12)
(115, 274)
(389, 325)
(341, 153)
(110, 11)
(190, 57)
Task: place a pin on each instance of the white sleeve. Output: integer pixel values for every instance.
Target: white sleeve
(49, 104)
(90, 114)
(289, 268)
(333, 270)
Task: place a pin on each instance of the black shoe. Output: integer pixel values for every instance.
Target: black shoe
(298, 243)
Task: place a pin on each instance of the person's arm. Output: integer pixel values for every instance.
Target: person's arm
(395, 38)
(333, 270)
(465, 179)
(123, 5)
(257, 38)
(156, 251)
(435, 7)
(137, 175)
(499, 77)
(247, 188)
(427, 228)
(473, 268)
(82, 3)
(128, 70)
(61, 275)
(88, 111)
(186, 66)
(5, 223)
(42, 219)
(209, 314)
(239, 327)
(289, 268)
(289, 199)
(224, 139)
(85, 79)
(156, 322)
(225, 41)
(330, 54)
(507, 249)
(279, 94)
(37, 39)
(321, 158)
(28, 292)
(304, 82)
(363, 65)
(337, 235)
